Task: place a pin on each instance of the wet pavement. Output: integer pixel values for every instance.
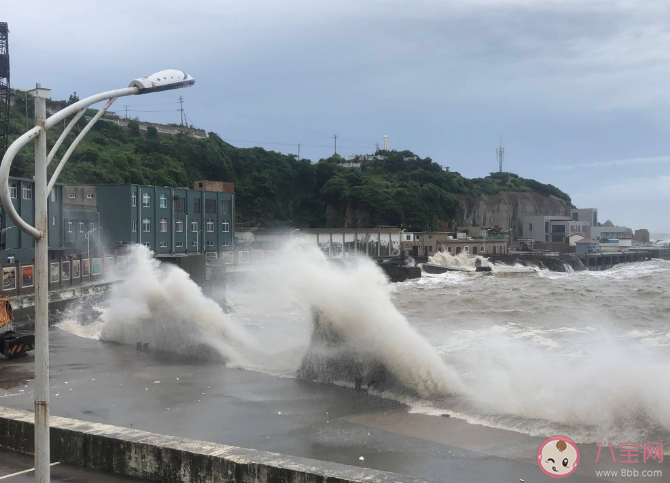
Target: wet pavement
(174, 395)
(18, 468)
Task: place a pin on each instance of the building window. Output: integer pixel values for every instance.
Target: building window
(146, 200)
(89, 196)
(449, 249)
(225, 226)
(163, 225)
(210, 206)
(210, 226)
(178, 204)
(134, 226)
(210, 243)
(147, 244)
(13, 190)
(179, 244)
(466, 248)
(225, 243)
(53, 195)
(194, 244)
(72, 197)
(81, 227)
(196, 205)
(408, 237)
(482, 249)
(530, 227)
(146, 225)
(134, 199)
(163, 244)
(430, 237)
(163, 201)
(69, 227)
(226, 207)
(194, 226)
(210, 255)
(179, 226)
(575, 216)
(27, 192)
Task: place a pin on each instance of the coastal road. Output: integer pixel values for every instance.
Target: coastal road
(18, 468)
(169, 394)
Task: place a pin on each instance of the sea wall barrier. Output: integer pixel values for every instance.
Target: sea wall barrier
(24, 304)
(155, 457)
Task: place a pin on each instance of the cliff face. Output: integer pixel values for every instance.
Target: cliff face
(507, 209)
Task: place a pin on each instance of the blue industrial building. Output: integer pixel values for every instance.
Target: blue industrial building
(169, 221)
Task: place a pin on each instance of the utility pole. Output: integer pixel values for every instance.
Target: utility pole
(181, 109)
(335, 138)
(298, 151)
(42, 447)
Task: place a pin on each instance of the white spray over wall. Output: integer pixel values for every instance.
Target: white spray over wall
(460, 260)
(161, 305)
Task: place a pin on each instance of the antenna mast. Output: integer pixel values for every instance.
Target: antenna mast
(500, 152)
(4, 86)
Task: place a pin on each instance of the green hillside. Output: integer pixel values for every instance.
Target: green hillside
(272, 188)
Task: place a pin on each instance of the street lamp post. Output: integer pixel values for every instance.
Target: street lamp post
(88, 250)
(164, 80)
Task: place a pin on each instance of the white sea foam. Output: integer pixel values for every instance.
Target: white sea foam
(537, 356)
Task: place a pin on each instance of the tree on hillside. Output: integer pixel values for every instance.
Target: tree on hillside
(72, 99)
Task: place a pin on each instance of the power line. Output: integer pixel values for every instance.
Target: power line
(295, 144)
(141, 110)
(154, 104)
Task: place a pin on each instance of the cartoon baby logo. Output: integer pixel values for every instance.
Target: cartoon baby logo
(558, 457)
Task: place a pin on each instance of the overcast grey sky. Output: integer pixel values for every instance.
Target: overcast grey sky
(577, 89)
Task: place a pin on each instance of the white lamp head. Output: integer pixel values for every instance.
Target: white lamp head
(163, 81)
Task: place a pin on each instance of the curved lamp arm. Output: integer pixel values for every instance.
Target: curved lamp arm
(32, 134)
(74, 144)
(63, 135)
(4, 182)
(160, 81)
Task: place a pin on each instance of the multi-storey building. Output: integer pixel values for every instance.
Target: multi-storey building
(168, 220)
(18, 246)
(555, 229)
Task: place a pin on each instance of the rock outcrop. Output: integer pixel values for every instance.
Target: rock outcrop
(506, 209)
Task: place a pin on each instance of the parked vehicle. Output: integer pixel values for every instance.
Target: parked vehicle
(11, 344)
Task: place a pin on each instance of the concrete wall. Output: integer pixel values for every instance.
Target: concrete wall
(220, 186)
(155, 457)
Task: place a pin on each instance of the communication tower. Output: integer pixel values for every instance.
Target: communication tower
(501, 156)
(4, 86)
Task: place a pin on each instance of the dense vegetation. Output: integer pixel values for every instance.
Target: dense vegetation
(272, 188)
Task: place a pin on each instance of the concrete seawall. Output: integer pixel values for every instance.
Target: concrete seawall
(156, 457)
